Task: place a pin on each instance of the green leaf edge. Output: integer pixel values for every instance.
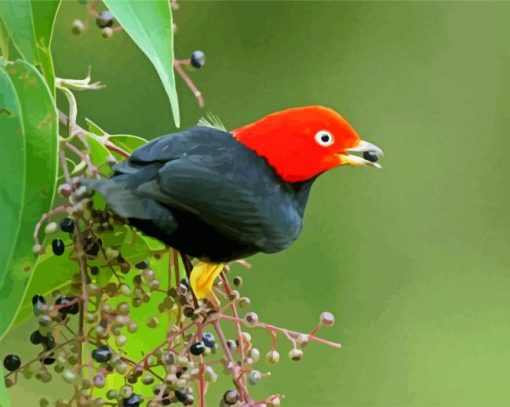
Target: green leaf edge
(54, 187)
(171, 89)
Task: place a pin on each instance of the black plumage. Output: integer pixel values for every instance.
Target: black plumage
(207, 195)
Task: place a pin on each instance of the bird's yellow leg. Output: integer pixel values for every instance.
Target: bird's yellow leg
(202, 278)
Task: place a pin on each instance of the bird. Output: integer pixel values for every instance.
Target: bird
(218, 195)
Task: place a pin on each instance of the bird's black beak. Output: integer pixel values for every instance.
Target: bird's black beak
(370, 154)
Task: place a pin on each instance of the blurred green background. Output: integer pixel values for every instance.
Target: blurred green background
(413, 260)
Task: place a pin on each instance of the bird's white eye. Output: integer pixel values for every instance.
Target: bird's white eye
(324, 138)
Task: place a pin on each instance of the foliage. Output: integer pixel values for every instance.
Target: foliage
(29, 156)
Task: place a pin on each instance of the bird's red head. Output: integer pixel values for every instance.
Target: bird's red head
(303, 142)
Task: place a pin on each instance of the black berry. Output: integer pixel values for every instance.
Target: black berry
(58, 247)
(104, 19)
(142, 265)
(92, 247)
(36, 338)
(67, 225)
(197, 59)
(197, 348)
(371, 156)
(181, 395)
(38, 298)
(72, 309)
(49, 341)
(132, 401)
(12, 362)
(185, 282)
(38, 302)
(102, 354)
(208, 339)
(49, 361)
(94, 270)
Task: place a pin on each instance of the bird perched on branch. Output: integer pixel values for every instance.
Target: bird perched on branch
(219, 196)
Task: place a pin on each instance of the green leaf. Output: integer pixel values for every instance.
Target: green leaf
(28, 160)
(94, 128)
(4, 41)
(50, 273)
(98, 153)
(4, 398)
(149, 24)
(126, 142)
(151, 243)
(30, 25)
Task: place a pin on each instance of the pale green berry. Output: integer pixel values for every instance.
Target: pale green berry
(210, 374)
(125, 289)
(327, 319)
(50, 228)
(148, 379)
(121, 340)
(111, 253)
(272, 357)
(244, 302)
(296, 354)
(123, 308)
(254, 354)
(254, 377)
(126, 391)
(302, 340)
(107, 32)
(121, 368)
(69, 376)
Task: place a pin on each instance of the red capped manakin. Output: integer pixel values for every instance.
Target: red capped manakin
(219, 196)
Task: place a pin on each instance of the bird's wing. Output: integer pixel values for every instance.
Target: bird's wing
(211, 175)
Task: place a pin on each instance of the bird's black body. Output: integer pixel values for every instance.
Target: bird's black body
(205, 194)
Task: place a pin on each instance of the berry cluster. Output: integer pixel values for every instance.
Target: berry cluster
(120, 292)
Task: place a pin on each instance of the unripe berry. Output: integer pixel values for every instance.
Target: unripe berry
(251, 319)
(244, 302)
(272, 357)
(254, 377)
(107, 32)
(77, 27)
(302, 340)
(327, 319)
(296, 354)
(69, 376)
(50, 228)
(210, 374)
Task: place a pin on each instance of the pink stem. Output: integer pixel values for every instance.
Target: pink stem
(189, 82)
(287, 332)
